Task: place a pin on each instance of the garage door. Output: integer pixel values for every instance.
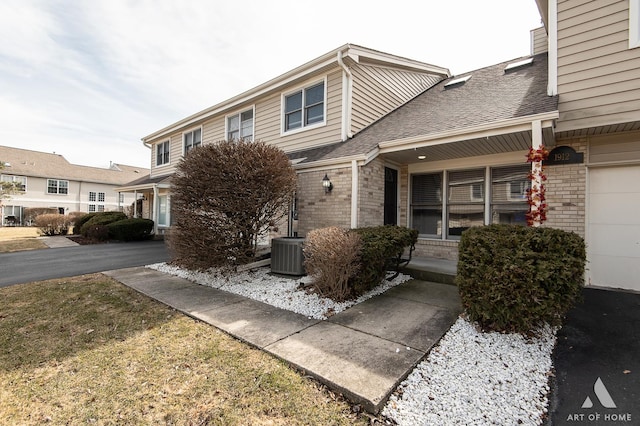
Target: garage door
(613, 234)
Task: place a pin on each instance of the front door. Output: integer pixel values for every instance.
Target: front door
(390, 196)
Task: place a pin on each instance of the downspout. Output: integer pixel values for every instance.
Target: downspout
(347, 89)
(354, 194)
(552, 85)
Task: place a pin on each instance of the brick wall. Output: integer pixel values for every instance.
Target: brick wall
(317, 209)
(566, 193)
(371, 194)
(441, 249)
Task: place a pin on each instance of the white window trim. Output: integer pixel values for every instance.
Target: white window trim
(238, 112)
(303, 128)
(57, 187)
(13, 180)
(634, 24)
(184, 150)
(156, 153)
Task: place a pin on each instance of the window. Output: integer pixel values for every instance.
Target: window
(55, 186)
(192, 139)
(509, 187)
(162, 210)
(465, 206)
(473, 198)
(101, 197)
(634, 23)
(304, 107)
(19, 183)
(426, 204)
(240, 126)
(162, 153)
(92, 196)
(100, 207)
(92, 208)
(121, 197)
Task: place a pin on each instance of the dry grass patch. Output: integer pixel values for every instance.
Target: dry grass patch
(17, 232)
(89, 350)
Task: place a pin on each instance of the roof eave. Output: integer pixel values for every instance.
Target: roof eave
(357, 53)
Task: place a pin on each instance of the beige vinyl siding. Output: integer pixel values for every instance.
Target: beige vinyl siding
(622, 148)
(539, 41)
(213, 130)
(378, 90)
(597, 72)
(268, 118)
(175, 153)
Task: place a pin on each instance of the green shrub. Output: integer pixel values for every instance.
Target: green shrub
(380, 246)
(514, 279)
(102, 218)
(96, 232)
(80, 221)
(332, 259)
(53, 224)
(131, 229)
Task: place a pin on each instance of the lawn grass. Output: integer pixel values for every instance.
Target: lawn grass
(17, 238)
(90, 350)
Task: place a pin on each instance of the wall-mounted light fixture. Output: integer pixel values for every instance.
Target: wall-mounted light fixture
(326, 183)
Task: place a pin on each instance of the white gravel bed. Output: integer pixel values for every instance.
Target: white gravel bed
(469, 378)
(476, 378)
(285, 293)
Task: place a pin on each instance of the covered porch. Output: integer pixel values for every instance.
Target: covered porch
(152, 195)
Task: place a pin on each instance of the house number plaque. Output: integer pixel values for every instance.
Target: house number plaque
(564, 155)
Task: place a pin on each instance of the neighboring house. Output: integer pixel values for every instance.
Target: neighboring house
(49, 180)
(447, 152)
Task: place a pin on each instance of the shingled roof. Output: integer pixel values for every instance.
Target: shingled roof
(24, 162)
(490, 94)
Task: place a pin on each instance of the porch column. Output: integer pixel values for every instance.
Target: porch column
(536, 166)
(354, 194)
(154, 213)
(135, 204)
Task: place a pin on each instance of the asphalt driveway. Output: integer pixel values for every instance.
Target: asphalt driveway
(36, 265)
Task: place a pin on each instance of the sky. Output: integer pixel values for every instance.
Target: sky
(88, 79)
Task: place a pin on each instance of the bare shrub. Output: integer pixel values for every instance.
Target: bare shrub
(332, 258)
(53, 224)
(30, 213)
(225, 196)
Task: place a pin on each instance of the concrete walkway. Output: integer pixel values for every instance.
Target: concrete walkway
(363, 352)
(58, 241)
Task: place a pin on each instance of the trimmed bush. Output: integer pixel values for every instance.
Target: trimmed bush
(96, 232)
(332, 258)
(131, 229)
(225, 197)
(514, 279)
(53, 224)
(80, 221)
(381, 245)
(100, 219)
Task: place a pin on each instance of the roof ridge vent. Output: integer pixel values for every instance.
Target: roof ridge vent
(457, 81)
(518, 64)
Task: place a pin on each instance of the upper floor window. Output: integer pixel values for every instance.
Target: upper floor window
(304, 107)
(16, 183)
(92, 196)
(192, 139)
(55, 186)
(162, 153)
(101, 197)
(240, 126)
(634, 23)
